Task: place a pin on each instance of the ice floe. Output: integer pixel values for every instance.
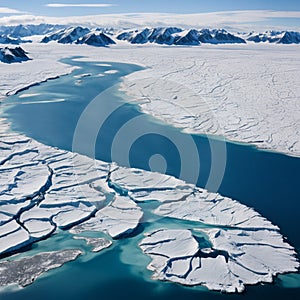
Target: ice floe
(121, 217)
(144, 186)
(214, 209)
(235, 259)
(98, 244)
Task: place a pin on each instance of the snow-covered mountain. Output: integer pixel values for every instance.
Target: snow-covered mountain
(79, 35)
(67, 35)
(11, 55)
(187, 37)
(8, 40)
(177, 36)
(221, 36)
(156, 35)
(29, 30)
(278, 37)
(97, 39)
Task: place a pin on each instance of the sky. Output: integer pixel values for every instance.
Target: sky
(226, 13)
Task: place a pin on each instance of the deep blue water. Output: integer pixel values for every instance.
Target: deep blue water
(267, 181)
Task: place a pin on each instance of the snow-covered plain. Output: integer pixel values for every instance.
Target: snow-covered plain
(248, 88)
(246, 93)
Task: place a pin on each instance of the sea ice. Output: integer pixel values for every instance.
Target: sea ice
(236, 257)
(121, 217)
(98, 244)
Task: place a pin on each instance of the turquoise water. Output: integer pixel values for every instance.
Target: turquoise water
(261, 179)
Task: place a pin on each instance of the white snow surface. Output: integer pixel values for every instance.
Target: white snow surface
(214, 209)
(98, 244)
(121, 217)
(143, 186)
(236, 258)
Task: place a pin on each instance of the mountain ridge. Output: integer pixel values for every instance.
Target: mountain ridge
(153, 35)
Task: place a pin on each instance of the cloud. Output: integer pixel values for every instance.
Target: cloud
(80, 5)
(258, 20)
(7, 10)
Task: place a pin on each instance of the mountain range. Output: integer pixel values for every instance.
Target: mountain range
(278, 37)
(20, 31)
(177, 36)
(79, 35)
(157, 35)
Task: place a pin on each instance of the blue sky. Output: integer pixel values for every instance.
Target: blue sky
(38, 7)
(265, 13)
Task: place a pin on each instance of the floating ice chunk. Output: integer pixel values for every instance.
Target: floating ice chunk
(68, 218)
(120, 217)
(135, 179)
(143, 185)
(4, 218)
(261, 251)
(213, 209)
(165, 195)
(103, 65)
(13, 237)
(41, 213)
(83, 75)
(43, 101)
(98, 244)
(28, 95)
(24, 182)
(237, 257)
(8, 228)
(111, 72)
(170, 243)
(62, 216)
(39, 228)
